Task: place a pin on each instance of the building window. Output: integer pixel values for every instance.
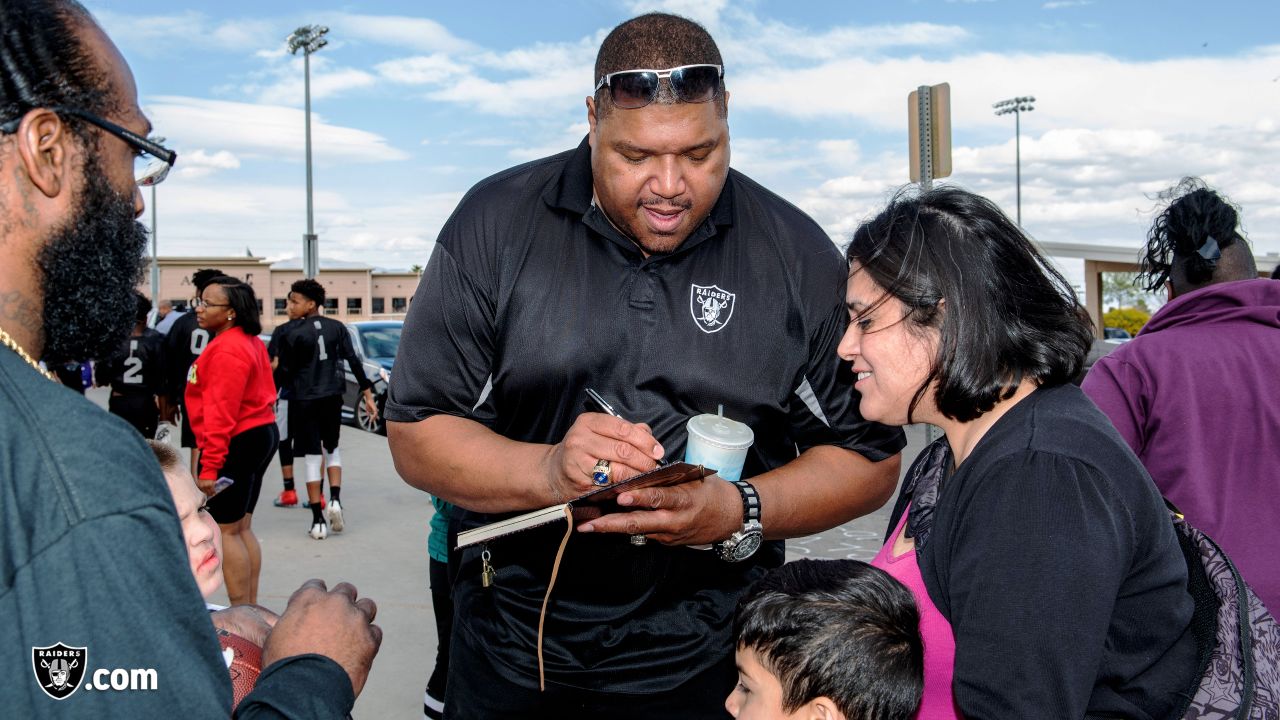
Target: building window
(355, 306)
(379, 306)
(280, 302)
(398, 305)
(259, 307)
(331, 306)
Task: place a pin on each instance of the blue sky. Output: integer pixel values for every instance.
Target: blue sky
(414, 102)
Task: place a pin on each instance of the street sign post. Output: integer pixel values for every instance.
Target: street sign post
(929, 123)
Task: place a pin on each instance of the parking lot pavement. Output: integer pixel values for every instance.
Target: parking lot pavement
(383, 552)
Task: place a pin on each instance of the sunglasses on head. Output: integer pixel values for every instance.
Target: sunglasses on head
(636, 88)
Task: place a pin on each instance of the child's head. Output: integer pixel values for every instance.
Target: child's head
(199, 529)
(827, 639)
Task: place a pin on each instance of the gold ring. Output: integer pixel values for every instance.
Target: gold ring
(600, 473)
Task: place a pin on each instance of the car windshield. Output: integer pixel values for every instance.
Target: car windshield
(380, 342)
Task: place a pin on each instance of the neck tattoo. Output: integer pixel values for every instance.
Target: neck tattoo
(7, 340)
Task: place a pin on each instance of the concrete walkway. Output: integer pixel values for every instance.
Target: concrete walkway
(383, 552)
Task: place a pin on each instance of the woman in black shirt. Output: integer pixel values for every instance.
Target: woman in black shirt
(1038, 535)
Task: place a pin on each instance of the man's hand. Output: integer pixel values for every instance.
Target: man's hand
(251, 622)
(693, 513)
(630, 449)
(370, 406)
(332, 623)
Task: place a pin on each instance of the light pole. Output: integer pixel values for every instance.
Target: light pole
(1017, 106)
(151, 177)
(308, 39)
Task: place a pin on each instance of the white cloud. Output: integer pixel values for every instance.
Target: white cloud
(384, 231)
(1072, 90)
(153, 35)
(397, 30)
(325, 83)
(568, 137)
(263, 130)
(552, 92)
(421, 69)
(768, 43)
(199, 163)
(282, 80)
(1060, 4)
(1078, 185)
(706, 12)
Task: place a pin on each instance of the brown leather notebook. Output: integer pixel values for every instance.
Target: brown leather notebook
(591, 504)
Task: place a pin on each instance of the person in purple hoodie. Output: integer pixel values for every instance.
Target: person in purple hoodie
(1191, 393)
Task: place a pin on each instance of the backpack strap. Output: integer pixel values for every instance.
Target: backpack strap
(1245, 629)
(1204, 617)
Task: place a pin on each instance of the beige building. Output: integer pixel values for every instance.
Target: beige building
(354, 291)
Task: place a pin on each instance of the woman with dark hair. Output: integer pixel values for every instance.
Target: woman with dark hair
(230, 395)
(1187, 393)
(1049, 578)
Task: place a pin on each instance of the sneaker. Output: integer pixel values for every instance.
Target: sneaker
(287, 498)
(319, 531)
(334, 513)
(307, 503)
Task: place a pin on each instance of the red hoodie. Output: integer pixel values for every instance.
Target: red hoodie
(229, 390)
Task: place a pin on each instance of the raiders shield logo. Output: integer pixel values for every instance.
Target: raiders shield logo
(711, 307)
(59, 669)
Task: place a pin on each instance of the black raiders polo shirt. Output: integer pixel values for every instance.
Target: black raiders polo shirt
(531, 292)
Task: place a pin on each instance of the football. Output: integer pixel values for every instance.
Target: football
(244, 662)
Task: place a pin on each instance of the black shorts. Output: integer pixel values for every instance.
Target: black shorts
(315, 423)
(138, 409)
(248, 456)
(188, 435)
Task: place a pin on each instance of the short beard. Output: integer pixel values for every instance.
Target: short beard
(89, 270)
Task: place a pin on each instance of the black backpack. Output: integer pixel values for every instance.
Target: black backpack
(1237, 640)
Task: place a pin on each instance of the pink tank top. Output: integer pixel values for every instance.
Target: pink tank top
(938, 702)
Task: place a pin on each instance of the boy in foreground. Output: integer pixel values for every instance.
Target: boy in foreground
(827, 640)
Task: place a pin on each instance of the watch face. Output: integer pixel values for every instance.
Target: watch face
(747, 546)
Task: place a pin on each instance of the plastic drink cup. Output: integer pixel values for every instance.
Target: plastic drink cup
(719, 443)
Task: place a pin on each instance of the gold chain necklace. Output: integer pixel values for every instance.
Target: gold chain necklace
(9, 342)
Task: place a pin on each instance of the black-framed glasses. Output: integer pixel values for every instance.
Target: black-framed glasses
(690, 83)
(200, 304)
(152, 161)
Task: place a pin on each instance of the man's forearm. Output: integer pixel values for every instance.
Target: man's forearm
(824, 487)
(469, 465)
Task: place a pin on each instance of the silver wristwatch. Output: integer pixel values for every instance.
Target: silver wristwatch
(744, 543)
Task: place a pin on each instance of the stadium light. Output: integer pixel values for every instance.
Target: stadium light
(1017, 106)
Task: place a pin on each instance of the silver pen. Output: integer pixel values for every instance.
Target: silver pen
(604, 405)
(595, 396)
(638, 540)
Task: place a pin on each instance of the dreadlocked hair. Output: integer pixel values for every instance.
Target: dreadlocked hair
(44, 63)
(1178, 243)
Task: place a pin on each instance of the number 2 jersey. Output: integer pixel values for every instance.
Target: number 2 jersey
(310, 352)
(138, 367)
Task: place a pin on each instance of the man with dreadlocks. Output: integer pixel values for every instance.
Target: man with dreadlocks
(91, 552)
(1191, 393)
